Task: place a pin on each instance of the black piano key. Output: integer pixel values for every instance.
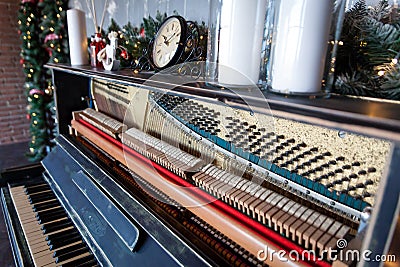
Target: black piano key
(49, 213)
(78, 262)
(34, 186)
(52, 218)
(40, 195)
(55, 244)
(45, 205)
(66, 250)
(34, 200)
(71, 254)
(88, 263)
(56, 226)
(30, 189)
(60, 234)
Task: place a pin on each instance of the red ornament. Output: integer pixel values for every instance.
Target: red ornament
(124, 54)
(28, 116)
(36, 91)
(21, 61)
(142, 33)
(19, 32)
(51, 37)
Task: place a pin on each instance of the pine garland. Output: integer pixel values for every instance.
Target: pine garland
(53, 34)
(367, 62)
(36, 21)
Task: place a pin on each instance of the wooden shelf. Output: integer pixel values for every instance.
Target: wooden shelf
(371, 117)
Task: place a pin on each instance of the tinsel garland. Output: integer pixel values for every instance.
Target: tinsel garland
(367, 61)
(41, 31)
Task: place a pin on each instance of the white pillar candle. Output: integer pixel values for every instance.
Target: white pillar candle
(240, 40)
(300, 45)
(78, 48)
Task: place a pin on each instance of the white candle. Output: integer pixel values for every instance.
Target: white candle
(242, 24)
(78, 48)
(299, 45)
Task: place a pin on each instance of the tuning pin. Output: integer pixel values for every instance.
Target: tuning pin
(369, 182)
(341, 158)
(356, 164)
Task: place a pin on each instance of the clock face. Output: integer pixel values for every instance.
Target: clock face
(167, 42)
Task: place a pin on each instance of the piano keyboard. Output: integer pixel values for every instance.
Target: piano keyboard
(50, 234)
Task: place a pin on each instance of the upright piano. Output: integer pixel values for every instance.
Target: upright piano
(161, 170)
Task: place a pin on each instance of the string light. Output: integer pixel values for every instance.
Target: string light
(394, 61)
(381, 73)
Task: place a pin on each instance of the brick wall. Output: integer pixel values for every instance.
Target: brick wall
(14, 127)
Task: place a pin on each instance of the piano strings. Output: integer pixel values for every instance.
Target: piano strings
(306, 222)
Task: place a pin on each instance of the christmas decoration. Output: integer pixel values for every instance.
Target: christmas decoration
(135, 40)
(97, 43)
(124, 54)
(41, 29)
(107, 54)
(367, 61)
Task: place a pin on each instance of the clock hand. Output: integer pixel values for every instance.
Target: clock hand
(169, 39)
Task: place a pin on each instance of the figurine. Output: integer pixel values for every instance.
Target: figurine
(108, 54)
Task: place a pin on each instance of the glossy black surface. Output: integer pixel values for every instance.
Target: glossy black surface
(158, 245)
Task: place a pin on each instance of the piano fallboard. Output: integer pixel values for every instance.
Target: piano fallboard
(109, 218)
